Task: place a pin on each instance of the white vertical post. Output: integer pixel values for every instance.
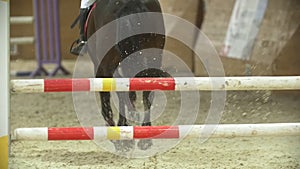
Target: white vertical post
(4, 83)
(243, 28)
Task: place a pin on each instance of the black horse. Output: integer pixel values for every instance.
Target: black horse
(130, 52)
(104, 12)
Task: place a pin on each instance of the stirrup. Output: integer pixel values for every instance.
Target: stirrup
(76, 50)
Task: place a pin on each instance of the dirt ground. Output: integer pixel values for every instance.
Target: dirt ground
(56, 110)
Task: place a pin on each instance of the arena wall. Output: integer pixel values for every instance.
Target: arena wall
(274, 50)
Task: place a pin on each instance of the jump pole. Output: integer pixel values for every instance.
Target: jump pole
(155, 132)
(4, 83)
(142, 84)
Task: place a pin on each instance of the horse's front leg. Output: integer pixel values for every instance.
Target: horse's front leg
(147, 99)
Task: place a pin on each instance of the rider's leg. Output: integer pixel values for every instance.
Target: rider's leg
(84, 10)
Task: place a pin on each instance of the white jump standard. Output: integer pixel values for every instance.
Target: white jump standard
(4, 84)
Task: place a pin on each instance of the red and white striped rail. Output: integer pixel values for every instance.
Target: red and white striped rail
(154, 132)
(149, 84)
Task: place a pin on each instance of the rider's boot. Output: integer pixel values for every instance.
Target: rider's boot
(79, 43)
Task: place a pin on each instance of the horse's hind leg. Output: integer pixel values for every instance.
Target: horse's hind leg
(106, 108)
(122, 116)
(147, 106)
(133, 115)
(124, 100)
(120, 145)
(123, 145)
(147, 99)
(132, 97)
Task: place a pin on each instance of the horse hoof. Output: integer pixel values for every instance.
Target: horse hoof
(123, 145)
(145, 144)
